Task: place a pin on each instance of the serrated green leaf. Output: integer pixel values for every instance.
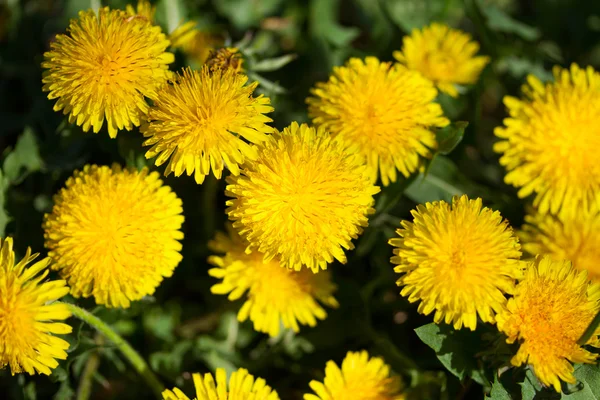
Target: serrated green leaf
(498, 391)
(273, 64)
(530, 386)
(325, 25)
(456, 350)
(268, 86)
(498, 20)
(589, 376)
(245, 14)
(450, 136)
(169, 362)
(25, 156)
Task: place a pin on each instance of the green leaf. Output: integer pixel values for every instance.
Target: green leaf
(161, 321)
(25, 156)
(442, 182)
(268, 86)
(245, 14)
(498, 391)
(498, 20)
(456, 350)
(169, 362)
(273, 64)
(324, 23)
(65, 392)
(4, 217)
(413, 14)
(589, 376)
(171, 13)
(450, 136)
(530, 386)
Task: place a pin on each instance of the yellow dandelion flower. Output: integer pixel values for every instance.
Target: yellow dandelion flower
(104, 68)
(276, 296)
(303, 200)
(444, 55)
(227, 58)
(576, 239)
(144, 9)
(547, 140)
(206, 120)
(360, 378)
(551, 308)
(385, 111)
(193, 42)
(28, 314)
(242, 386)
(114, 233)
(458, 259)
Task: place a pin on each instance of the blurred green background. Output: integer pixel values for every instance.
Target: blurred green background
(184, 328)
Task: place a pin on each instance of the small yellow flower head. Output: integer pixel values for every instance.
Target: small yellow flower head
(458, 259)
(105, 67)
(227, 58)
(114, 233)
(444, 55)
(360, 378)
(206, 120)
(242, 386)
(194, 43)
(303, 200)
(548, 142)
(276, 296)
(551, 308)
(144, 9)
(576, 239)
(384, 111)
(28, 314)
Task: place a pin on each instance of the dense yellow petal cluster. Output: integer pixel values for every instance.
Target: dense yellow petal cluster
(113, 233)
(360, 378)
(206, 121)
(105, 67)
(551, 308)
(459, 260)
(276, 296)
(28, 314)
(385, 112)
(576, 239)
(226, 58)
(548, 140)
(303, 200)
(444, 55)
(242, 386)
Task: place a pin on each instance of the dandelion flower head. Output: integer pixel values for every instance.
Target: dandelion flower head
(360, 378)
(206, 121)
(226, 58)
(576, 239)
(275, 295)
(444, 55)
(303, 200)
(551, 308)
(28, 314)
(458, 259)
(105, 67)
(242, 386)
(385, 111)
(547, 140)
(114, 233)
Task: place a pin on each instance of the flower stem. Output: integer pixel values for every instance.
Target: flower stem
(589, 330)
(134, 358)
(84, 390)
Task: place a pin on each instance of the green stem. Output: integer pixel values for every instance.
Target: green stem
(84, 391)
(590, 330)
(134, 358)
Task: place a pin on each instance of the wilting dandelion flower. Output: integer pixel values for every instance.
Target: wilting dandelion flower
(28, 314)
(275, 296)
(242, 386)
(113, 233)
(360, 378)
(548, 142)
(206, 121)
(444, 55)
(576, 239)
(386, 112)
(551, 308)
(105, 67)
(459, 260)
(303, 200)
(144, 9)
